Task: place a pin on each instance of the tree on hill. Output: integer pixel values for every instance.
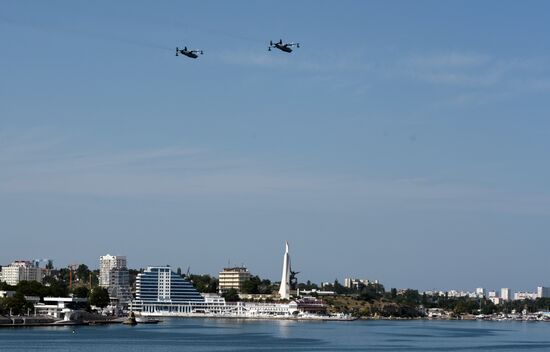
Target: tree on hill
(34, 288)
(31, 288)
(81, 292)
(231, 295)
(57, 289)
(372, 292)
(99, 297)
(250, 286)
(4, 286)
(16, 304)
(411, 297)
(255, 285)
(204, 283)
(307, 286)
(82, 273)
(64, 275)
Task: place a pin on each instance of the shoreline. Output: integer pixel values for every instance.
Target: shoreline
(45, 322)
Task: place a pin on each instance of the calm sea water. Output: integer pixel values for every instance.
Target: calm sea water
(230, 335)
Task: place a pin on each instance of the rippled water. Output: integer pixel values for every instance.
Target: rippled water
(231, 335)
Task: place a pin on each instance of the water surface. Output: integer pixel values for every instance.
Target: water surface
(234, 335)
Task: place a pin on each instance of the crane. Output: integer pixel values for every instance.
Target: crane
(72, 267)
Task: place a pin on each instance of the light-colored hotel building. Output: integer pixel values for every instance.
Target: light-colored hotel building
(233, 278)
(162, 292)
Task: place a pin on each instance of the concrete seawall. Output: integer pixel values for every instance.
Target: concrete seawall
(7, 321)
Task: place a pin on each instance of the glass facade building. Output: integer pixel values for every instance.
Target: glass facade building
(161, 284)
(119, 286)
(161, 292)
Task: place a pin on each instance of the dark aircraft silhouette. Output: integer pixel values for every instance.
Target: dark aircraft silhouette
(189, 53)
(287, 47)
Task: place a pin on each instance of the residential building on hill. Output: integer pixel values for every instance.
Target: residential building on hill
(114, 276)
(21, 270)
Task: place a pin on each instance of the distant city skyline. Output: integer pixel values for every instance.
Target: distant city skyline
(346, 281)
(405, 141)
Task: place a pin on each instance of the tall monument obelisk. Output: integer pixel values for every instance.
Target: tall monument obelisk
(284, 290)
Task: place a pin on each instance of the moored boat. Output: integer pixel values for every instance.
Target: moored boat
(145, 320)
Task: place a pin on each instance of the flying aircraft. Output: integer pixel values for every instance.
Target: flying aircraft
(286, 47)
(189, 53)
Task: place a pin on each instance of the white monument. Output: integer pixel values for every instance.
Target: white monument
(284, 290)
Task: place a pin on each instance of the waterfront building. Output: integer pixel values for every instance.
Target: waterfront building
(505, 294)
(119, 286)
(114, 276)
(284, 290)
(543, 292)
(233, 278)
(161, 292)
(21, 270)
(60, 307)
(311, 305)
(161, 284)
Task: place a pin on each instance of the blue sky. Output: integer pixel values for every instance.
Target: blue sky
(404, 141)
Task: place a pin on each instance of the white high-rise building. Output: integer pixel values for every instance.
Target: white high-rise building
(505, 294)
(106, 264)
(543, 292)
(284, 290)
(480, 292)
(113, 275)
(348, 282)
(21, 270)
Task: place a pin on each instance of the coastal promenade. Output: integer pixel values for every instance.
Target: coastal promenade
(44, 320)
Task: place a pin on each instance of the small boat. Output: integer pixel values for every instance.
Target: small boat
(144, 320)
(131, 320)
